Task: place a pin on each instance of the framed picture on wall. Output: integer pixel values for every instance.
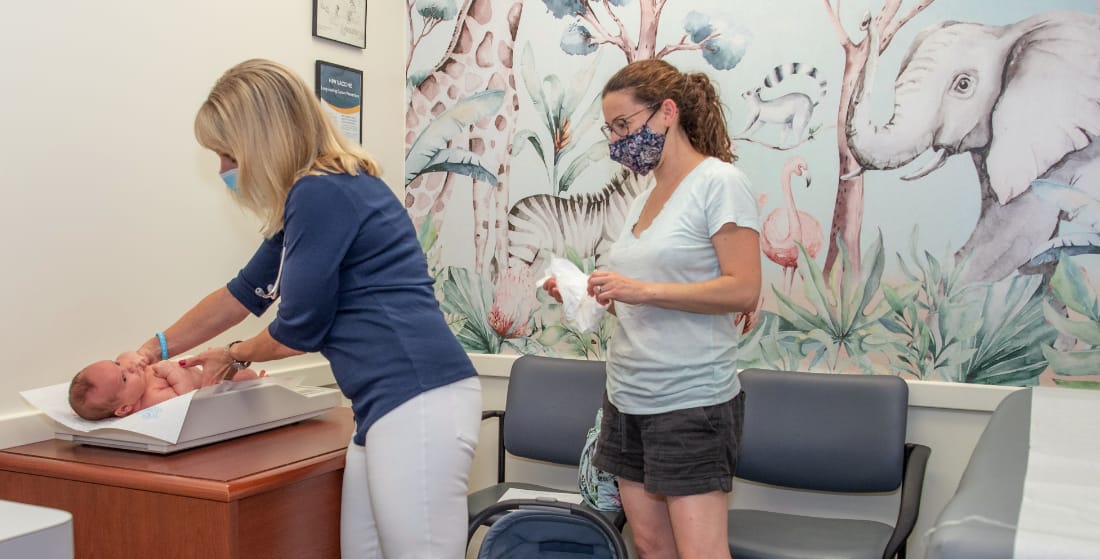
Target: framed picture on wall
(343, 21)
(340, 90)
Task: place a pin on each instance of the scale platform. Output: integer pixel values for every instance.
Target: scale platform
(221, 416)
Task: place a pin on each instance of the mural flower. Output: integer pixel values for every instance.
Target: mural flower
(513, 304)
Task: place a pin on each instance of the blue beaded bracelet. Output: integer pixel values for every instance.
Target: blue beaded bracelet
(163, 345)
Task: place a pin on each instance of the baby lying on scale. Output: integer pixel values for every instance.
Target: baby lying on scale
(118, 388)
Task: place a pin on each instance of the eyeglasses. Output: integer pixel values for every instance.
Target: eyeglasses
(621, 126)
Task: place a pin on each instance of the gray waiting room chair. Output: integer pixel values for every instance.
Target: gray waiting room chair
(826, 433)
(551, 405)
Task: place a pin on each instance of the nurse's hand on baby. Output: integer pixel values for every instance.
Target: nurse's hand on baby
(217, 365)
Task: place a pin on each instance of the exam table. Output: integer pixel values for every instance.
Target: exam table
(978, 522)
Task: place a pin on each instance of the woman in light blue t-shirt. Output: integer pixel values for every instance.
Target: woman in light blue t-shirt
(688, 258)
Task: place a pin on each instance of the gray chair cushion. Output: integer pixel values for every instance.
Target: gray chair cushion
(756, 534)
(551, 405)
(823, 431)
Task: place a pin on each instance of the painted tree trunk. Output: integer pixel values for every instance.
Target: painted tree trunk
(848, 209)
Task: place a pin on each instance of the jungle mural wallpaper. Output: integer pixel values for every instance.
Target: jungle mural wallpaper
(926, 171)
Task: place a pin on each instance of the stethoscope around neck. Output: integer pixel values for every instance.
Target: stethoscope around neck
(272, 291)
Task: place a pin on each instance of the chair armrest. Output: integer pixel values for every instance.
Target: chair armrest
(912, 486)
(487, 414)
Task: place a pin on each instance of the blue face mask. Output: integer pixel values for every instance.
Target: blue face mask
(640, 152)
(230, 178)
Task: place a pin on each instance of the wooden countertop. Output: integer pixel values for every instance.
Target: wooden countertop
(223, 471)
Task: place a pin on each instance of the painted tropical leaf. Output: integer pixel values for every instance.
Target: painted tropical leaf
(528, 136)
(1086, 331)
(1074, 363)
(557, 106)
(470, 297)
(553, 93)
(576, 94)
(446, 126)
(765, 346)
(1080, 205)
(552, 335)
(842, 314)
(531, 80)
(459, 161)
(1070, 285)
(1072, 288)
(596, 153)
(1012, 334)
(932, 322)
(428, 234)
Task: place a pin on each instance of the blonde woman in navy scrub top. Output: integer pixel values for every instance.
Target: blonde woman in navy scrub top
(341, 255)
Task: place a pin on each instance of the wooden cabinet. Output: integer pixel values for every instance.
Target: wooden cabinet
(270, 495)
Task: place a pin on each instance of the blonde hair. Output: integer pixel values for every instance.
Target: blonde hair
(264, 116)
(701, 113)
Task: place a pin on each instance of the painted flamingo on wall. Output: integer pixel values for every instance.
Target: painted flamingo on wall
(785, 228)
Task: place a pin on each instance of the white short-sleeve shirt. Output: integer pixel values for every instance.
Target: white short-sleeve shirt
(661, 359)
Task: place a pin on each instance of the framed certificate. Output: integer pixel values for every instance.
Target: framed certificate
(340, 90)
(343, 21)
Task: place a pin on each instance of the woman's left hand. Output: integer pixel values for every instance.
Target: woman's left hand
(215, 363)
(132, 360)
(608, 287)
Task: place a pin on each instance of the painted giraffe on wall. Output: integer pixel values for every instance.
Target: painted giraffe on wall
(478, 58)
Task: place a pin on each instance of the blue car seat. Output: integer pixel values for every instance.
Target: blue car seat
(538, 529)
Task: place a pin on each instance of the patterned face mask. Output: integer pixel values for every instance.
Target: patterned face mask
(640, 152)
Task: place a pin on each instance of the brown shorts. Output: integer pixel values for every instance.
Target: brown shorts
(681, 452)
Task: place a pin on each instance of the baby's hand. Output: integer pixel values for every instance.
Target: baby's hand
(164, 368)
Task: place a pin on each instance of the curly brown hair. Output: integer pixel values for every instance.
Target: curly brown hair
(701, 113)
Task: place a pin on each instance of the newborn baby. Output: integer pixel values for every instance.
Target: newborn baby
(118, 388)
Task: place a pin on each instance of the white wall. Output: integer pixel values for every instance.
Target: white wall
(113, 220)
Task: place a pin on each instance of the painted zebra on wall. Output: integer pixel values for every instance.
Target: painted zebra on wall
(544, 224)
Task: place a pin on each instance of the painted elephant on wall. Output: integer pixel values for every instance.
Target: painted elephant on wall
(1023, 100)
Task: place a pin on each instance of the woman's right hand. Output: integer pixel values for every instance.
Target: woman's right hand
(551, 287)
(215, 363)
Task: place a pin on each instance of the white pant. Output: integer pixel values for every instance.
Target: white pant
(404, 493)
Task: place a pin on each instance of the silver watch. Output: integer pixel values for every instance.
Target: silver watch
(237, 365)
